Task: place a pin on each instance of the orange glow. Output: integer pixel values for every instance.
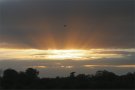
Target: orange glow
(120, 66)
(38, 66)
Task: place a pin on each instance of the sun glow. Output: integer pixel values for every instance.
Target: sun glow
(73, 54)
(67, 54)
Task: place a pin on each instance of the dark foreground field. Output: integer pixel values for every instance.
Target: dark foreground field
(29, 79)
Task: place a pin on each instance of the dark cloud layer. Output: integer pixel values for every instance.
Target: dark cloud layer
(49, 68)
(90, 24)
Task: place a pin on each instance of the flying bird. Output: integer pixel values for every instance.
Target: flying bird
(65, 25)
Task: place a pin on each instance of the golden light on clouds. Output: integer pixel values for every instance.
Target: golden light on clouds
(120, 66)
(68, 67)
(74, 54)
(38, 67)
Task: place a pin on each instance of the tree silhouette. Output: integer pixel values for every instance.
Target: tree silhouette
(29, 79)
(1, 72)
(32, 73)
(72, 75)
(105, 75)
(10, 77)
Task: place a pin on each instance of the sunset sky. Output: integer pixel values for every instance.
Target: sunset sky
(60, 36)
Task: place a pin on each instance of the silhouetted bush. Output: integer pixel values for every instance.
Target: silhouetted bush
(29, 79)
(10, 79)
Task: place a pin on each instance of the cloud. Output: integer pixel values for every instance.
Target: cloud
(90, 24)
(42, 67)
(120, 66)
(52, 68)
(91, 54)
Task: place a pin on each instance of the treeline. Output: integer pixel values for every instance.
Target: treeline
(11, 79)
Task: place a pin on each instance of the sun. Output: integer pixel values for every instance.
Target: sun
(66, 54)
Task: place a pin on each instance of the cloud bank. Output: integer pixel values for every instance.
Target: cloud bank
(90, 24)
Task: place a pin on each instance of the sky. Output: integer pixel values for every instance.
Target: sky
(73, 35)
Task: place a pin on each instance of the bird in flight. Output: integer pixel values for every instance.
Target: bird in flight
(65, 25)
